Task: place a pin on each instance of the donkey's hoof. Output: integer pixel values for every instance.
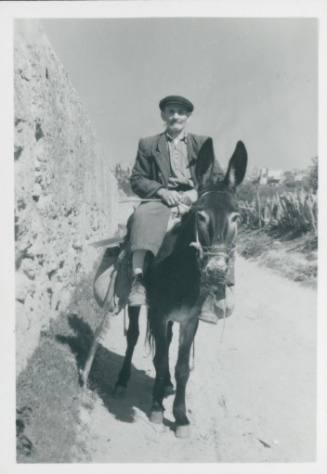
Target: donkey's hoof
(119, 391)
(169, 390)
(183, 431)
(156, 417)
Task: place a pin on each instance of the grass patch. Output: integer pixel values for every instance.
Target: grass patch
(252, 244)
(291, 255)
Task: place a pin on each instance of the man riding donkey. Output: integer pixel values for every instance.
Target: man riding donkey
(164, 175)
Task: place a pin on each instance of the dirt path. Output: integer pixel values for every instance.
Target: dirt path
(251, 396)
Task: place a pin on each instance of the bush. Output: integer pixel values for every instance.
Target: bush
(290, 205)
(287, 211)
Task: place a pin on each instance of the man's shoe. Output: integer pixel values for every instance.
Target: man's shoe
(137, 296)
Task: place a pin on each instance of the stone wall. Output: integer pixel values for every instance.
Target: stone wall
(65, 194)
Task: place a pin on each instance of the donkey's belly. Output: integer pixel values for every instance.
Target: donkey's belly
(182, 314)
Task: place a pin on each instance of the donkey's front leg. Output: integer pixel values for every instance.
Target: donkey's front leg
(161, 365)
(169, 387)
(182, 371)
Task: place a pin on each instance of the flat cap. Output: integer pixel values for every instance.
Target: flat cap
(176, 99)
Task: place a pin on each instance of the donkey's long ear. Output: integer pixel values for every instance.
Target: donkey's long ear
(205, 163)
(237, 166)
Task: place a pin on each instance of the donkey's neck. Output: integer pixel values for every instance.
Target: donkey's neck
(175, 281)
(184, 256)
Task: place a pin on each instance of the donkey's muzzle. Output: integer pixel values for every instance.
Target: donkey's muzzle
(217, 266)
(215, 270)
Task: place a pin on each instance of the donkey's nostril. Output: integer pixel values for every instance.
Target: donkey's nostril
(221, 268)
(217, 266)
(220, 263)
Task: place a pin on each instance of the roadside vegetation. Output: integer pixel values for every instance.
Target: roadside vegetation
(279, 224)
(285, 207)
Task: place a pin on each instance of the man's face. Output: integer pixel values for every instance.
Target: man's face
(175, 116)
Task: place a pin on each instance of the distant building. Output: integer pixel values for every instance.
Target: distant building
(274, 177)
(299, 175)
(268, 176)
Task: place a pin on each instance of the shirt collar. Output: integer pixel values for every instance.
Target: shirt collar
(181, 137)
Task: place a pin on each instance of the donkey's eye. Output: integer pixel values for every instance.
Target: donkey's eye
(203, 217)
(235, 217)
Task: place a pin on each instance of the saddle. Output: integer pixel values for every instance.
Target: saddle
(113, 279)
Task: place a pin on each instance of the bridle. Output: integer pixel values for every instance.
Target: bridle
(216, 250)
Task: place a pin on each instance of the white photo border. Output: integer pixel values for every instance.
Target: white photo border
(146, 9)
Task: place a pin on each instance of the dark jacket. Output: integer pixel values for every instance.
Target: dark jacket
(152, 169)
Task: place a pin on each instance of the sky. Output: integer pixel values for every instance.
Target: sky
(253, 80)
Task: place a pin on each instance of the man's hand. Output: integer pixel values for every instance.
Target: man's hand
(171, 198)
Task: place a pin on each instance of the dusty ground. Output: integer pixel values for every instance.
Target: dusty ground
(251, 395)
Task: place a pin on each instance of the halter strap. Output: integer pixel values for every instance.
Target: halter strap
(210, 250)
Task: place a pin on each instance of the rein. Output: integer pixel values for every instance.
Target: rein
(211, 250)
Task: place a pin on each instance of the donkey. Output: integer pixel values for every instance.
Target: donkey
(177, 285)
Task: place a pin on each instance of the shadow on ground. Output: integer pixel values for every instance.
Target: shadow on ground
(48, 394)
(104, 373)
